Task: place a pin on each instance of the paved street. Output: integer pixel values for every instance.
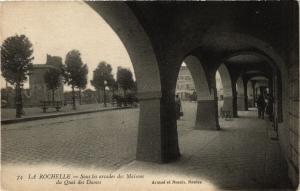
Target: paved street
(241, 155)
(107, 139)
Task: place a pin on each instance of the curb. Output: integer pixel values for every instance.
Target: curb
(33, 118)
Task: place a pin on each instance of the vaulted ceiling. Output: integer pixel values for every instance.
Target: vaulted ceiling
(217, 29)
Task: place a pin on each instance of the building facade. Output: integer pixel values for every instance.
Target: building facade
(185, 87)
(37, 86)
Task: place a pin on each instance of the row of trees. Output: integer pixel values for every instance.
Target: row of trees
(73, 72)
(103, 77)
(16, 63)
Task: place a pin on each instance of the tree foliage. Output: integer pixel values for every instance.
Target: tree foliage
(125, 79)
(102, 73)
(53, 75)
(75, 71)
(52, 79)
(82, 81)
(16, 62)
(16, 58)
(113, 85)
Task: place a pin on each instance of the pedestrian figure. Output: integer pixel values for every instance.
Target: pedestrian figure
(269, 108)
(178, 107)
(261, 104)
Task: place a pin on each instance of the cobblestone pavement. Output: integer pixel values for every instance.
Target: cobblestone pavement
(99, 139)
(239, 156)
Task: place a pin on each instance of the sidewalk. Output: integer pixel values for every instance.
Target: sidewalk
(239, 156)
(36, 113)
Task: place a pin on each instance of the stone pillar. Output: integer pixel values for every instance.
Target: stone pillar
(169, 136)
(240, 91)
(241, 103)
(207, 115)
(250, 94)
(228, 103)
(234, 101)
(254, 92)
(207, 100)
(246, 96)
(149, 132)
(157, 134)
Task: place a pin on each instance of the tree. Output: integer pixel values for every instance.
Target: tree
(52, 80)
(113, 85)
(16, 62)
(134, 87)
(102, 77)
(124, 79)
(74, 72)
(53, 75)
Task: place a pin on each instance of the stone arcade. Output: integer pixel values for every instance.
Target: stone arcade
(242, 40)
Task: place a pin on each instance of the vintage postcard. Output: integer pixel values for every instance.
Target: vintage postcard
(164, 95)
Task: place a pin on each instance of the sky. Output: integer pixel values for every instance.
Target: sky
(57, 27)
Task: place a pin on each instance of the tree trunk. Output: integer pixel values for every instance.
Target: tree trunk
(98, 98)
(73, 98)
(6, 88)
(79, 96)
(104, 97)
(18, 99)
(53, 99)
(124, 90)
(125, 98)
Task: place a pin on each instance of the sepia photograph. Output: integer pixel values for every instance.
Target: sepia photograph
(149, 95)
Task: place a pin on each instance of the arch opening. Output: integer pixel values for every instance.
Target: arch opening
(147, 75)
(204, 95)
(225, 88)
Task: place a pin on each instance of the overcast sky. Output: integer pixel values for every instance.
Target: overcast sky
(57, 27)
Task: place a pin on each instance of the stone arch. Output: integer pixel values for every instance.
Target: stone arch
(207, 113)
(262, 48)
(265, 50)
(278, 69)
(138, 46)
(243, 42)
(227, 88)
(143, 58)
(200, 78)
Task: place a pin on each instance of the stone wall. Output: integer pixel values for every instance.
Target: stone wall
(293, 123)
(38, 88)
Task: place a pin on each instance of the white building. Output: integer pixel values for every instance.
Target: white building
(185, 87)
